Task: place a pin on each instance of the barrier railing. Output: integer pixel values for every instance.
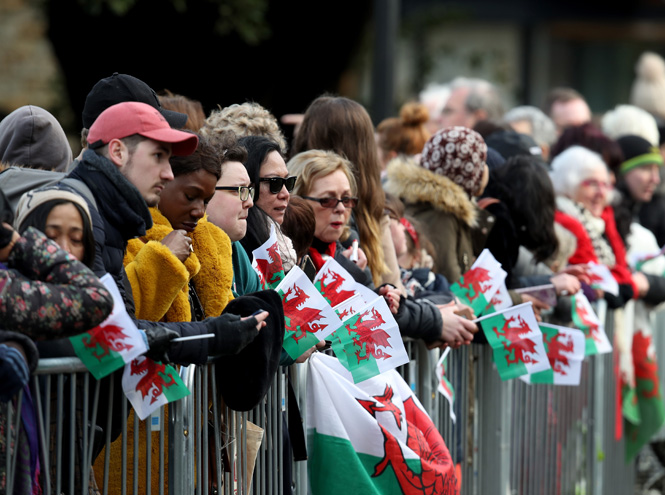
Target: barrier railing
(509, 437)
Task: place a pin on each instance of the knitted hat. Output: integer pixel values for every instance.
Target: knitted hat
(32, 199)
(458, 153)
(637, 152)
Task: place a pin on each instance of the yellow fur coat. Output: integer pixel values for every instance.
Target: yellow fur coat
(160, 280)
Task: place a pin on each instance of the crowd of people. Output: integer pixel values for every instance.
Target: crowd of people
(172, 203)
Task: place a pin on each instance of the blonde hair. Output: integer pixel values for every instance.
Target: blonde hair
(246, 119)
(316, 164)
(407, 133)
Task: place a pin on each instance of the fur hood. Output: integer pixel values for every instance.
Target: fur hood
(415, 184)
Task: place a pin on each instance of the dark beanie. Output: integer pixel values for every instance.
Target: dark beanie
(638, 152)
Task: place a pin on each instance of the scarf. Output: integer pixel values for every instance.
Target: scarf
(320, 249)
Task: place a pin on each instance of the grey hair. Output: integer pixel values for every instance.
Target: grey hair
(572, 166)
(543, 130)
(434, 97)
(628, 119)
(483, 95)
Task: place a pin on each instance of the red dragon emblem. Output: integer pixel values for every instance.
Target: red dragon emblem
(646, 367)
(154, 378)
(556, 345)
(300, 320)
(271, 268)
(436, 475)
(589, 325)
(369, 336)
(513, 341)
(105, 339)
(332, 290)
(472, 282)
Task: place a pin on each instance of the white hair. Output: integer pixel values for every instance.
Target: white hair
(483, 95)
(627, 120)
(572, 166)
(434, 97)
(543, 130)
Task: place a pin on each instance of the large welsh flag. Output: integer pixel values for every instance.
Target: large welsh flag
(369, 342)
(516, 340)
(308, 317)
(477, 286)
(565, 351)
(268, 262)
(337, 285)
(372, 438)
(112, 344)
(585, 318)
(149, 385)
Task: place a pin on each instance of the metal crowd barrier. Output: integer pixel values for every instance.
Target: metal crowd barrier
(509, 438)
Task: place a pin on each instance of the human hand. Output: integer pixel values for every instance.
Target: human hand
(159, 342)
(179, 244)
(566, 284)
(362, 258)
(233, 333)
(581, 272)
(305, 355)
(4, 252)
(392, 296)
(641, 282)
(456, 330)
(537, 304)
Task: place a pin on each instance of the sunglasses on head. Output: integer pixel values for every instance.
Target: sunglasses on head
(347, 201)
(276, 183)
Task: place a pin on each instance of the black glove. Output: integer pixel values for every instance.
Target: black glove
(159, 342)
(231, 333)
(625, 295)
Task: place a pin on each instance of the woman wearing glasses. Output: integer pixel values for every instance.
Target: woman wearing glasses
(272, 191)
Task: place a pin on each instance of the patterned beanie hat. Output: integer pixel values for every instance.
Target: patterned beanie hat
(458, 153)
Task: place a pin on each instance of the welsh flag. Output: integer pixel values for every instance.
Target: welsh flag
(602, 278)
(648, 396)
(370, 342)
(371, 438)
(500, 300)
(516, 340)
(149, 385)
(546, 293)
(112, 344)
(477, 286)
(345, 310)
(444, 387)
(585, 318)
(565, 351)
(337, 285)
(308, 316)
(268, 262)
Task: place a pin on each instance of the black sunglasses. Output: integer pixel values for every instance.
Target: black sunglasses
(276, 183)
(347, 201)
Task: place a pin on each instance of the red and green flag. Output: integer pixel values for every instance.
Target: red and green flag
(371, 438)
(337, 285)
(516, 341)
(565, 352)
(268, 262)
(500, 300)
(602, 278)
(308, 317)
(345, 310)
(585, 318)
(149, 385)
(477, 286)
(369, 342)
(113, 343)
(444, 386)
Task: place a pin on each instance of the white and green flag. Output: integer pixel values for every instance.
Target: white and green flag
(444, 387)
(371, 438)
(477, 286)
(585, 318)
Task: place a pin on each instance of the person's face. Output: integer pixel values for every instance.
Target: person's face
(225, 208)
(398, 233)
(523, 127)
(642, 182)
(330, 222)
(454, 112)
(148, 168)
(570, 113)
(483, 181)
(64, 226)
(273, 204)
(593, 192)
(186, 197)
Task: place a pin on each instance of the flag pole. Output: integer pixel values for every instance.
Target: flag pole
(194, 337)
(512, 308)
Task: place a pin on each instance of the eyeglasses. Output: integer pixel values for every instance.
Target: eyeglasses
(347, 201)
(597, 184)
(276, 183)
(244, 192)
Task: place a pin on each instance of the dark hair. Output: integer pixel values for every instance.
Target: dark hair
(206, 157)
(532, 210)
(299, 224)
(591, 137)
(6, 216)
(37, 219)
(258, 221)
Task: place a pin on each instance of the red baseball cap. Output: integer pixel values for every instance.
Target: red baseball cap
(132, 117)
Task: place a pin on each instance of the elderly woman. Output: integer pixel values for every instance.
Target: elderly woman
(582, 183)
